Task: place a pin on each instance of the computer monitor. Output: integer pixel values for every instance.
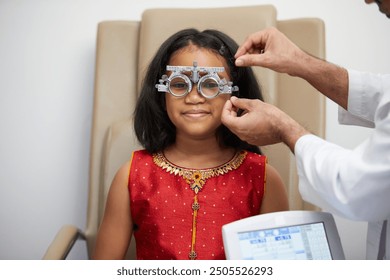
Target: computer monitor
(287, 235)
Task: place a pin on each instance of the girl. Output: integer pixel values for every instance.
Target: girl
(194, 175)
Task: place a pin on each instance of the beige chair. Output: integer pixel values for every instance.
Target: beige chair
(124, 49)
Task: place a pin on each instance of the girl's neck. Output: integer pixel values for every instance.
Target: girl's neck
(198, 154)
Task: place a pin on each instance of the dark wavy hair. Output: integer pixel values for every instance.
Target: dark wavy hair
(153, 128)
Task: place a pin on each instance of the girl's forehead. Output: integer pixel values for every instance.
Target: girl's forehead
(205, 57)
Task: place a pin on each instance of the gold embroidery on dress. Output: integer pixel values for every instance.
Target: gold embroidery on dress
(196, 178)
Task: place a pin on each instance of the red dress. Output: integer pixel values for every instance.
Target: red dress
(178, 213)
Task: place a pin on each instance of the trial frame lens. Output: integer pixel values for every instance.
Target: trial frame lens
(209, 85)
(179, 85)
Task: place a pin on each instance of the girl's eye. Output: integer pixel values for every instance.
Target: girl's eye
(210, 85)
(179, 85)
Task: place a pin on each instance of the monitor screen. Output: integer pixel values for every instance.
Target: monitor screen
(287, 235)
(299, 242)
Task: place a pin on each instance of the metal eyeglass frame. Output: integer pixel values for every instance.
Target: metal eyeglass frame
(224, 86)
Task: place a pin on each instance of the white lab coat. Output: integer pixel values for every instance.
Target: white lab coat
(353, 183)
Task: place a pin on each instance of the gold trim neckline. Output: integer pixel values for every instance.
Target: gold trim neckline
(196, 178)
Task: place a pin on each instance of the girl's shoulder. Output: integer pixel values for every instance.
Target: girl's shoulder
(254, 157)
(140, 157)
(140, 154)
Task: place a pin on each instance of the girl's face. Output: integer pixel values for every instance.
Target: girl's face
(193, 115)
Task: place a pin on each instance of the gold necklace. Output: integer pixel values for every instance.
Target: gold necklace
(196, 178)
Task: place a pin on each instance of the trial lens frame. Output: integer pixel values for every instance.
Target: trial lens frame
(224, 87)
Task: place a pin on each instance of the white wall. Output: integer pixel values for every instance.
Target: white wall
(47, 53)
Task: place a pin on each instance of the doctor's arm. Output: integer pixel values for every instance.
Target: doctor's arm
(355, 183)
(351, 183)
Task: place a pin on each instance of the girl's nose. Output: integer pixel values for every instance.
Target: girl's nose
(194, 96)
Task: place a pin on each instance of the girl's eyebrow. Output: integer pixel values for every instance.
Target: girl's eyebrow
(188, 73)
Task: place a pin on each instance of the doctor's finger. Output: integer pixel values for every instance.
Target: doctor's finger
(254, 43)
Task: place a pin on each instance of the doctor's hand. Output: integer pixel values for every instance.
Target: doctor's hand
(261, 123)
(271, 49)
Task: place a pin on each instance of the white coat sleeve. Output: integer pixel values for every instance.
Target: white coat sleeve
(352, 183)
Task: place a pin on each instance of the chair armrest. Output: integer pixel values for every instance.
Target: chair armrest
(63, 243)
